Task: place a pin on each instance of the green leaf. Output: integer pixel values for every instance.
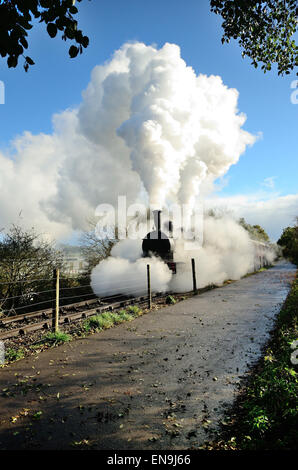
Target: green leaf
(24, 42)
(52, 30)
(85, 41)
(73, 10)
(45, 3)
(12, 61)
(73, 51)
(29, 60)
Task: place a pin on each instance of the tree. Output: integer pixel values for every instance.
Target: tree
(256, 232)
(264, 30)
(16, 20)
(260, 233)
(26, 266)
(289, 242)
(96, 246)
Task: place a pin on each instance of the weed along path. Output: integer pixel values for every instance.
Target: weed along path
(161, 381)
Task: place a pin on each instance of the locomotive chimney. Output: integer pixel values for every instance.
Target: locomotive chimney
(170, 229)
(156, 215)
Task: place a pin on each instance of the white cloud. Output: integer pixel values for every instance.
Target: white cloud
(269, 182)
(272, 211)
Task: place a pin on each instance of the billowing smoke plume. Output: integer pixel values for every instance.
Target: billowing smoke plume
(150, 129)
(146, 122)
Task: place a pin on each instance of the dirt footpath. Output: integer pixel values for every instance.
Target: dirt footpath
(161, 381)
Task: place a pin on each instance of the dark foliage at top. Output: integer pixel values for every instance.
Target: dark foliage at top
(16, 17)
(264, 29)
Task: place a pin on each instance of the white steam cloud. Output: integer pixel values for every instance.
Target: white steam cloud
(227, 253)
(114, 276)
(146, 121)
(148, 128)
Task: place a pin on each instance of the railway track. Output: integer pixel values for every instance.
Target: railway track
(43, 319)
(44, 313)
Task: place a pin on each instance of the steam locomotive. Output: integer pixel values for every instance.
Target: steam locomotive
(159, 244)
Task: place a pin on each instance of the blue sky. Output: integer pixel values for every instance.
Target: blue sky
(56, 83)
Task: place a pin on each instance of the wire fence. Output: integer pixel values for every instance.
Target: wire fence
(31, 300)
(30, 281)
(28, 294)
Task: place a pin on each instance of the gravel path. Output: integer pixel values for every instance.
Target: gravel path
(162, 381)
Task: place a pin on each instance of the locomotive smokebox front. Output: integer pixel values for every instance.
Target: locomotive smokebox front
(157, 243)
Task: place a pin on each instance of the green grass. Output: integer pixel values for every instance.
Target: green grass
(265, 417)
(116, 318)
(98, 322)
(134, 310)
(260, 270)
(56, 338)
(14, 354)
(106, 320)
(125, 316)
(170, 300)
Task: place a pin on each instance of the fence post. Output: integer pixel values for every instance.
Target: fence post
(194, 280)
(149, 287)
(56, 301)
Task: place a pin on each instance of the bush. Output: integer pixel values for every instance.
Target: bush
(26, 264)
(289, 243)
